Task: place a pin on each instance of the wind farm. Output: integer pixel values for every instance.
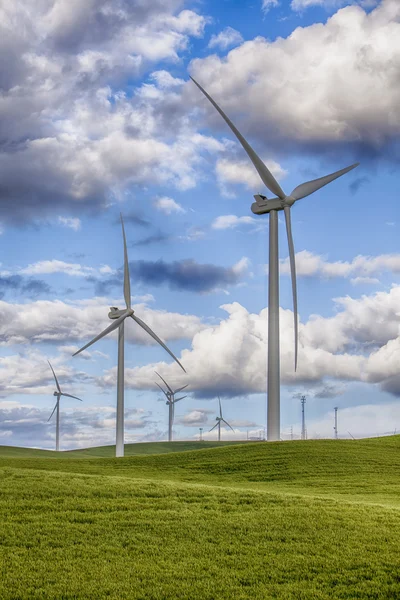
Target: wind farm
(199, 236)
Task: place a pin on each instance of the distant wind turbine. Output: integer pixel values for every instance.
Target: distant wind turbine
(171, 400)
(261, 206)
(120, 316)
(219, 420)
(58, 395)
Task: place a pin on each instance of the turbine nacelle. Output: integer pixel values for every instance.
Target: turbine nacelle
(115, 312)
(56, 394)
(263, 205)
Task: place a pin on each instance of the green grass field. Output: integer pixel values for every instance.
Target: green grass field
(290, 520)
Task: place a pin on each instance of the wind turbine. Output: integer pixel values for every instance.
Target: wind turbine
(171, 400)
(58, 395)
(261, 206)
(219, 419)
(120, 316)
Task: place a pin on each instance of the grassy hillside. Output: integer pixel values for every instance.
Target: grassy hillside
(109, 451)
(294, 520)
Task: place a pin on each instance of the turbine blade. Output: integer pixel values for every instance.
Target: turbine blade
(177, 400)
(170, 389)
(220, 408)
(69, 396)
(53, 411)
(181, 388)
(163, 391)
(293, 276)
(309, 187)
(57, 384)
(226, 423)
(127, 283)
(263, 171)
(216, 425)
(155, 337)
(173, 412)
(107, 330)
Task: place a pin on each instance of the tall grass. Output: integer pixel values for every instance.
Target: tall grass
(295, 520)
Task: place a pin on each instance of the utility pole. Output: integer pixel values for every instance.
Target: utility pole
(335, 426)
(201, 434)
(303, 420)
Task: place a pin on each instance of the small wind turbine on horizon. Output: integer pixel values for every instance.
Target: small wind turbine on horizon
(171, 400)
(58, 395)
(120, 316)
(263, 205)
(219, 420)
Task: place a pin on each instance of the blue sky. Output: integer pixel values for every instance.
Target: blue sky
(100, 117)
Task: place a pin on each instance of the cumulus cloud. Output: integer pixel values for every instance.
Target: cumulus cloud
(57, 266)
(70, 222)
(361, 342)
(226, 38)
(56, 321)
(230, 172)
(232, 221)
(362, 267)
(195, 418)
(317, 87)
(168, 205)
(72, 138)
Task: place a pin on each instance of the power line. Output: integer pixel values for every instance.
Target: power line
(303, 419)
(335, 426)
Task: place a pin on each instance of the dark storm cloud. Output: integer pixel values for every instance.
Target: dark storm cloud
(156, 238)
(186, 275)
(392, 385)
(31, 288)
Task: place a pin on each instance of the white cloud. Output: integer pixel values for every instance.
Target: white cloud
(360, 342)
(232, 221)
(227, 37)
(364, 280)
(80, 321)
(195, 418)
(46, 267)
(232, 172)
(299, 5)
(71, 222)
(77, 138)
(316, 86)
(267, 4)
(107, 270)
(362, 267)
(168, 205)
(165, 80)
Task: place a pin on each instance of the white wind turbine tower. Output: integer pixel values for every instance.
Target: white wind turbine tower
(171, 401)
(261, 206)
(58, 395)
(120, 316)
(218, 423)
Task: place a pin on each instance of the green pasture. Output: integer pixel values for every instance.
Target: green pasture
(287, 520)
